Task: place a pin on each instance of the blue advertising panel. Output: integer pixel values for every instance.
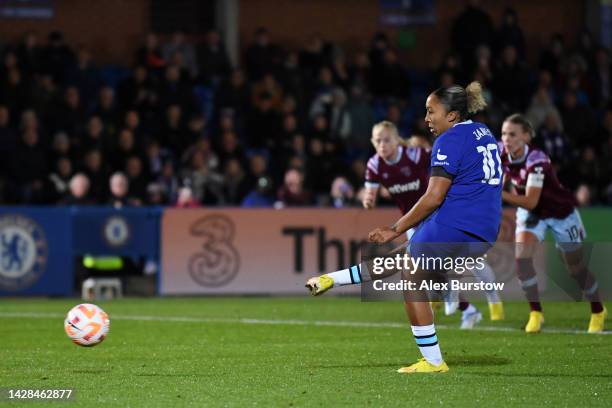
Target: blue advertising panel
(35, 252)
(121, 232)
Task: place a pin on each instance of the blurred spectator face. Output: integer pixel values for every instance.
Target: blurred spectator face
(394, 114)
(447, 79)
(14, 77)
(151, 41)
(61, 143)
(298, 143)
(320, 123)
(64, 167)
(583, 195)
(265, 103)
(551, 123)
(198, 160)
(509, 18)
(316, 147)
(289, 124)
(93, 161)
(556, 46)
(140, 74)
(326, 76)
(233, 168)
(173, 73)
(173, 114)
(541, 97)
(419, 141)
(226, 123)
(385, 142)
(46, 82)
(289, 105)
(185, 196)
(390, 57)
(588, 155)
(315, 43)
(362, 60)
(30, 137)
(229, 141)
(177, 59)
(84, 56)
(153, 149)
(4, 116)
(338, 97)
(155, 194)
(126, 140)
(133, 167)
(292, 60)
(107, 97)
(197, 124)
(119, 185)
(30, 40)
(293, 181)
(297, 163)
(94, 127)
(168, 170)
(509, 55)
(341, 188)
(29, 120)
(72, 97)
(358, 167)
(545, 78)
(262, 38)
(132, 119)
(237, 78)
(569, 100)
(79, 185)
(258, 165)
(10, 60)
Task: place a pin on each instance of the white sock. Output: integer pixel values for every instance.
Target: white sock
(349, 276)
(471, 309)
(487, 275)
(427, 341)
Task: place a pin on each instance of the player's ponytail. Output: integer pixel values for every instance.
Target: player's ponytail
(385, 124)
(523, 122)
(475, 100)
(466, 101)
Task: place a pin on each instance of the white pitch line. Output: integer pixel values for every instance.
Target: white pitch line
(294, 322)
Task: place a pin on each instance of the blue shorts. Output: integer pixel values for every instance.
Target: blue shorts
(440, 241)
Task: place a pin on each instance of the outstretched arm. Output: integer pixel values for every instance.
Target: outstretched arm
(434, 196)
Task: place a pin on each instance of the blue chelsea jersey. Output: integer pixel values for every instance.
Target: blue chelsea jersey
(473, 204)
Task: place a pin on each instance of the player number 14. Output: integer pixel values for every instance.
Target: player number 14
(488, 164)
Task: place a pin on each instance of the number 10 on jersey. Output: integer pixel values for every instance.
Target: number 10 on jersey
(488, 164)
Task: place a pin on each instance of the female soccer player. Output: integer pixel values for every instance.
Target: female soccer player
(543, 203)
(404, 172)
(460, 213)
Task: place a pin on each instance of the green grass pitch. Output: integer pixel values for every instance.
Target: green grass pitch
(284, 352)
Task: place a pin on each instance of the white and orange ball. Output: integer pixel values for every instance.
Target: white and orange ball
(86, 324)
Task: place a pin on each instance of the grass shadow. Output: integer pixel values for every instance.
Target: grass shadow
(470, 361)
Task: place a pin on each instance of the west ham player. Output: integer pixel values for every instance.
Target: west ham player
(404, 172)
(462, 204)
(543, 203)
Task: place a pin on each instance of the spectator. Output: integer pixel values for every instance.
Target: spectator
(58, 181)
(186, 199)
(28, 168)
(261, 56)
(119, 188)
(96, 173)
(261, 195)
(78, 191)
(342, 193)
(234, 94)
(577, 121)
(472, 28)
(136, 178)
(150, 55)
(213, 60)
(57, 56)
(178, 45)
(206, 184)
(510, 82)
(292, 192)
(510, 33)
(236, 185)
(107, 110)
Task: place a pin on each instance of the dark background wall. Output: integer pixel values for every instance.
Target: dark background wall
(115, 27)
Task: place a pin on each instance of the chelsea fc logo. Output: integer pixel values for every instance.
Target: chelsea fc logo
(23, 252)
(116, 231)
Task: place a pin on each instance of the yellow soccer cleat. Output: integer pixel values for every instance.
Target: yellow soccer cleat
(319, 285)
(534, 325)
(424, 366)
(597, 322)
(496, 311)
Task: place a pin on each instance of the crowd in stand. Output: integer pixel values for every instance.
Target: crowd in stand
(288, 127)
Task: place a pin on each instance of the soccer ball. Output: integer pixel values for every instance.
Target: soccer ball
(86, 324)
